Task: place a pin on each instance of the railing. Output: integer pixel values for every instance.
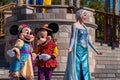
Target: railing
(108, 30)
(7, 6)
(70, 9)
(2, 9)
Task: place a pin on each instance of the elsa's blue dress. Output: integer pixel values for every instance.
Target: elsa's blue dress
(77, 65)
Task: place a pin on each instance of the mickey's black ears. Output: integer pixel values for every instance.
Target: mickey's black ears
(54, 27)
(14, 29)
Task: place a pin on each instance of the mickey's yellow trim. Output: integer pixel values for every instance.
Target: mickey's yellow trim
(55, 51)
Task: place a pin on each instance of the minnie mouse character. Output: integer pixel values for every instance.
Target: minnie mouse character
(46, 50)
(21, 67)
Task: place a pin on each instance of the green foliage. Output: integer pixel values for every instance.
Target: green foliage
(3, 2)
(83, 3)
(96, 5)
(66, 1)
(54, 2)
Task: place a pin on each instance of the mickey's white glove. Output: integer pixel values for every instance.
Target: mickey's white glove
(45, 57)
(40, 57)
(11, 53)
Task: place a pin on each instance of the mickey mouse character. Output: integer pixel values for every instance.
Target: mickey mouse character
(21, 67)
(46, 50)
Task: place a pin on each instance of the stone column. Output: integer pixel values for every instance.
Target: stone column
(115, 24)
(70, 2)
(34, 2)
(62, 2)
(76, 3)
(26, 1)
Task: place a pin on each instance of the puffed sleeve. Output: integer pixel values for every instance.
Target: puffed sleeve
(19, 43)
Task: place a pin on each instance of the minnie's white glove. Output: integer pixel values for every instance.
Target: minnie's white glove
(45, 57)
(11, 53)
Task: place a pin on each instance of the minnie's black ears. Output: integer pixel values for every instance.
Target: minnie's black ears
(14, 29)
(54, 27)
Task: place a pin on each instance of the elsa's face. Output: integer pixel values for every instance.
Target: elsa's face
(83, 16)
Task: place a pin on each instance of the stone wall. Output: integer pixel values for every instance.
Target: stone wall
(63, 19)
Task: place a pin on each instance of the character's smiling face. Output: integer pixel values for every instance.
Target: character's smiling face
(42, 37)
(26, 35)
